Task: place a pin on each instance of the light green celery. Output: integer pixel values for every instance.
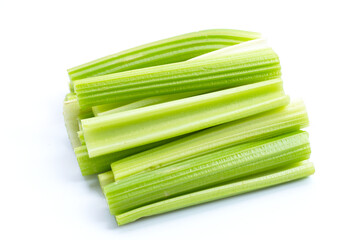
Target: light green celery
(175, 49)
(106, 107)
(290, 118)
(71, 111)
(81, 137)
(252, 45)
(70, 96)
(96, 165)
(105, 179)
(265, 180)
(120, 131)
(150, 101)
(205, 75)
(72, 114)
(206, 171)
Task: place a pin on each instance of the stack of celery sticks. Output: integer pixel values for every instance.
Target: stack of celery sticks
(185, 120)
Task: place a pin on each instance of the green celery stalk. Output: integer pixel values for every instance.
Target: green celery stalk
(251, 45)
(105, 179)
(264, 180)
(175, 49)
(95, 165)
(205, 75)
(290, 118)
(206, 171)
(124, 130)
(71, 112)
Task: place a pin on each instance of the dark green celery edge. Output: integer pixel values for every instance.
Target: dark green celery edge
(205, 75)
(206, 171)
(265, 125)
(170, 50)
(96, 165)
(264, 180)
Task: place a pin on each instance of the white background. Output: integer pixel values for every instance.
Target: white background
(43, 193)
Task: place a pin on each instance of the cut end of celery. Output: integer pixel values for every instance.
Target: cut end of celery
(71, 111)
(105, 179)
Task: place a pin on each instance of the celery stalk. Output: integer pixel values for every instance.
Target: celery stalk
(124, 130)
(105, 179)
(206, 171)
(71, 111)
(290, 118)
(251, 45)
(175, 49)
(265, 180)
(204, 75)
(95, 165)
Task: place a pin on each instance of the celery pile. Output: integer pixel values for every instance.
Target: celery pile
(185, 120)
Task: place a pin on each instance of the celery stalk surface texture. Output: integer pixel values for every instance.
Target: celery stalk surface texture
(184, 121)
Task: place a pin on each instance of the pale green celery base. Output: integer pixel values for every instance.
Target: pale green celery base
(264, 180)
(290, 118)
(105, 179)
(124, 130)
(206, 171)
(71, 111)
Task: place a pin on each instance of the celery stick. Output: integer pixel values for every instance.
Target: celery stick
(206, 171)
(290, 118)
(105, 179)
(165, 51)
(251, 45)
(102, 163)
(205, 75)
(150, 101)
(265, 180)
(71, 111)
(124, 130)
(72, 114)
